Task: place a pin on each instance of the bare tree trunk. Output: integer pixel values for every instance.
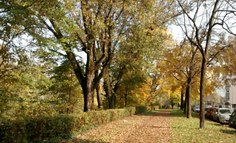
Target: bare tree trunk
(126, 95)
(182, 99)
(185, 104)
(90, 76)
(202, 82)
(188, 101)
(188, 92)
(85, 101)
(88, 95)
(98, 91)
(108, 89)
(92, 101)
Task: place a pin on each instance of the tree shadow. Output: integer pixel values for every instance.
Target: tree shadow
(159, 127)
(232, 132)
(156, 113)
(215, 123)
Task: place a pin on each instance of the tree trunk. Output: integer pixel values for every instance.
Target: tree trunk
(88, 93)
(188, 101)
(90, 77)
(92, 101)
(202, 82)
(108, 89)
(114, 100)
(185, 104)
(126, 95)
(85, 100)
(98, 91)
(182, 99)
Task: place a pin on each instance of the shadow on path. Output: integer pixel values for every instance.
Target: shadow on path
(162, 113)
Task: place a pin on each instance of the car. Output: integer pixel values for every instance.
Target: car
(196, 108)
(209, 112)
(215, 115)
(232, 120)
(223, 115)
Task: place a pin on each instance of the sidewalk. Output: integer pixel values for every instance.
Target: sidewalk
(136, 129)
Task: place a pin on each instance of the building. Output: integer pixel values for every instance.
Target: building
(230, 94)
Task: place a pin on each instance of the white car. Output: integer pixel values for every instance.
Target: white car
(196, 108)
(224, 114)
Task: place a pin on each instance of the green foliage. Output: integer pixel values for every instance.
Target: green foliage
(53, 128)
(141, 109)
(95, 118)
(38, 129)
(23, 89)
(65, 89)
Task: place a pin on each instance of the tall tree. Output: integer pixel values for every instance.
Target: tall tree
(78, 26)
(94, 28)
(65, 90)
(180, 63)
(200, 20)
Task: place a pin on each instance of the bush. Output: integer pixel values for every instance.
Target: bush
(57, 127)
(12, 132)
(47, 128)
(141, 109)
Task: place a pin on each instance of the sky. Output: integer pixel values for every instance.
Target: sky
(176, 32)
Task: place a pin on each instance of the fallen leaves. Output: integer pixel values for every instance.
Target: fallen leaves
(136, 129)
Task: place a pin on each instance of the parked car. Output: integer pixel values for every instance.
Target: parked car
(232, 120)
(196, 108)
(209, 112)
(222, 115)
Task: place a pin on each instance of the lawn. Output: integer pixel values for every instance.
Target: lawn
(185, 130)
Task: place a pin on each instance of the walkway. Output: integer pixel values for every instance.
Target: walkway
(136, 129)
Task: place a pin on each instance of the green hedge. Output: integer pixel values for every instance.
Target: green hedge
(57, 127)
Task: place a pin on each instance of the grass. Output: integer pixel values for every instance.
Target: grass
(185, 130)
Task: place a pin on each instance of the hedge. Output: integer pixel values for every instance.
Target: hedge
(57, 127)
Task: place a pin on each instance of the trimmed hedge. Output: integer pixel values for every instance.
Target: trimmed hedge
(58, 127)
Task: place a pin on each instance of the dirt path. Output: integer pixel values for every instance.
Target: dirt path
(136, 129)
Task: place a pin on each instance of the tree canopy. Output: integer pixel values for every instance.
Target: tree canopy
(75, 55)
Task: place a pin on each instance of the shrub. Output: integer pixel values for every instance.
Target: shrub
(12, 132)
(49, 127)
(56, 127)
(141, 109)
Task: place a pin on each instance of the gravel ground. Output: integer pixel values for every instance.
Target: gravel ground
(135, 129)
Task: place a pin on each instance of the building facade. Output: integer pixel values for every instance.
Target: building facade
(230, 94)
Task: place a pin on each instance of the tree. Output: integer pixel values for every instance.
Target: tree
(64, 89)
(180, 68)
(139, 52)
(84, 26)
(200, 20)
(93, 28)
(21, 91)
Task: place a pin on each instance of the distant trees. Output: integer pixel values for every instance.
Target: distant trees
(181, 64)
